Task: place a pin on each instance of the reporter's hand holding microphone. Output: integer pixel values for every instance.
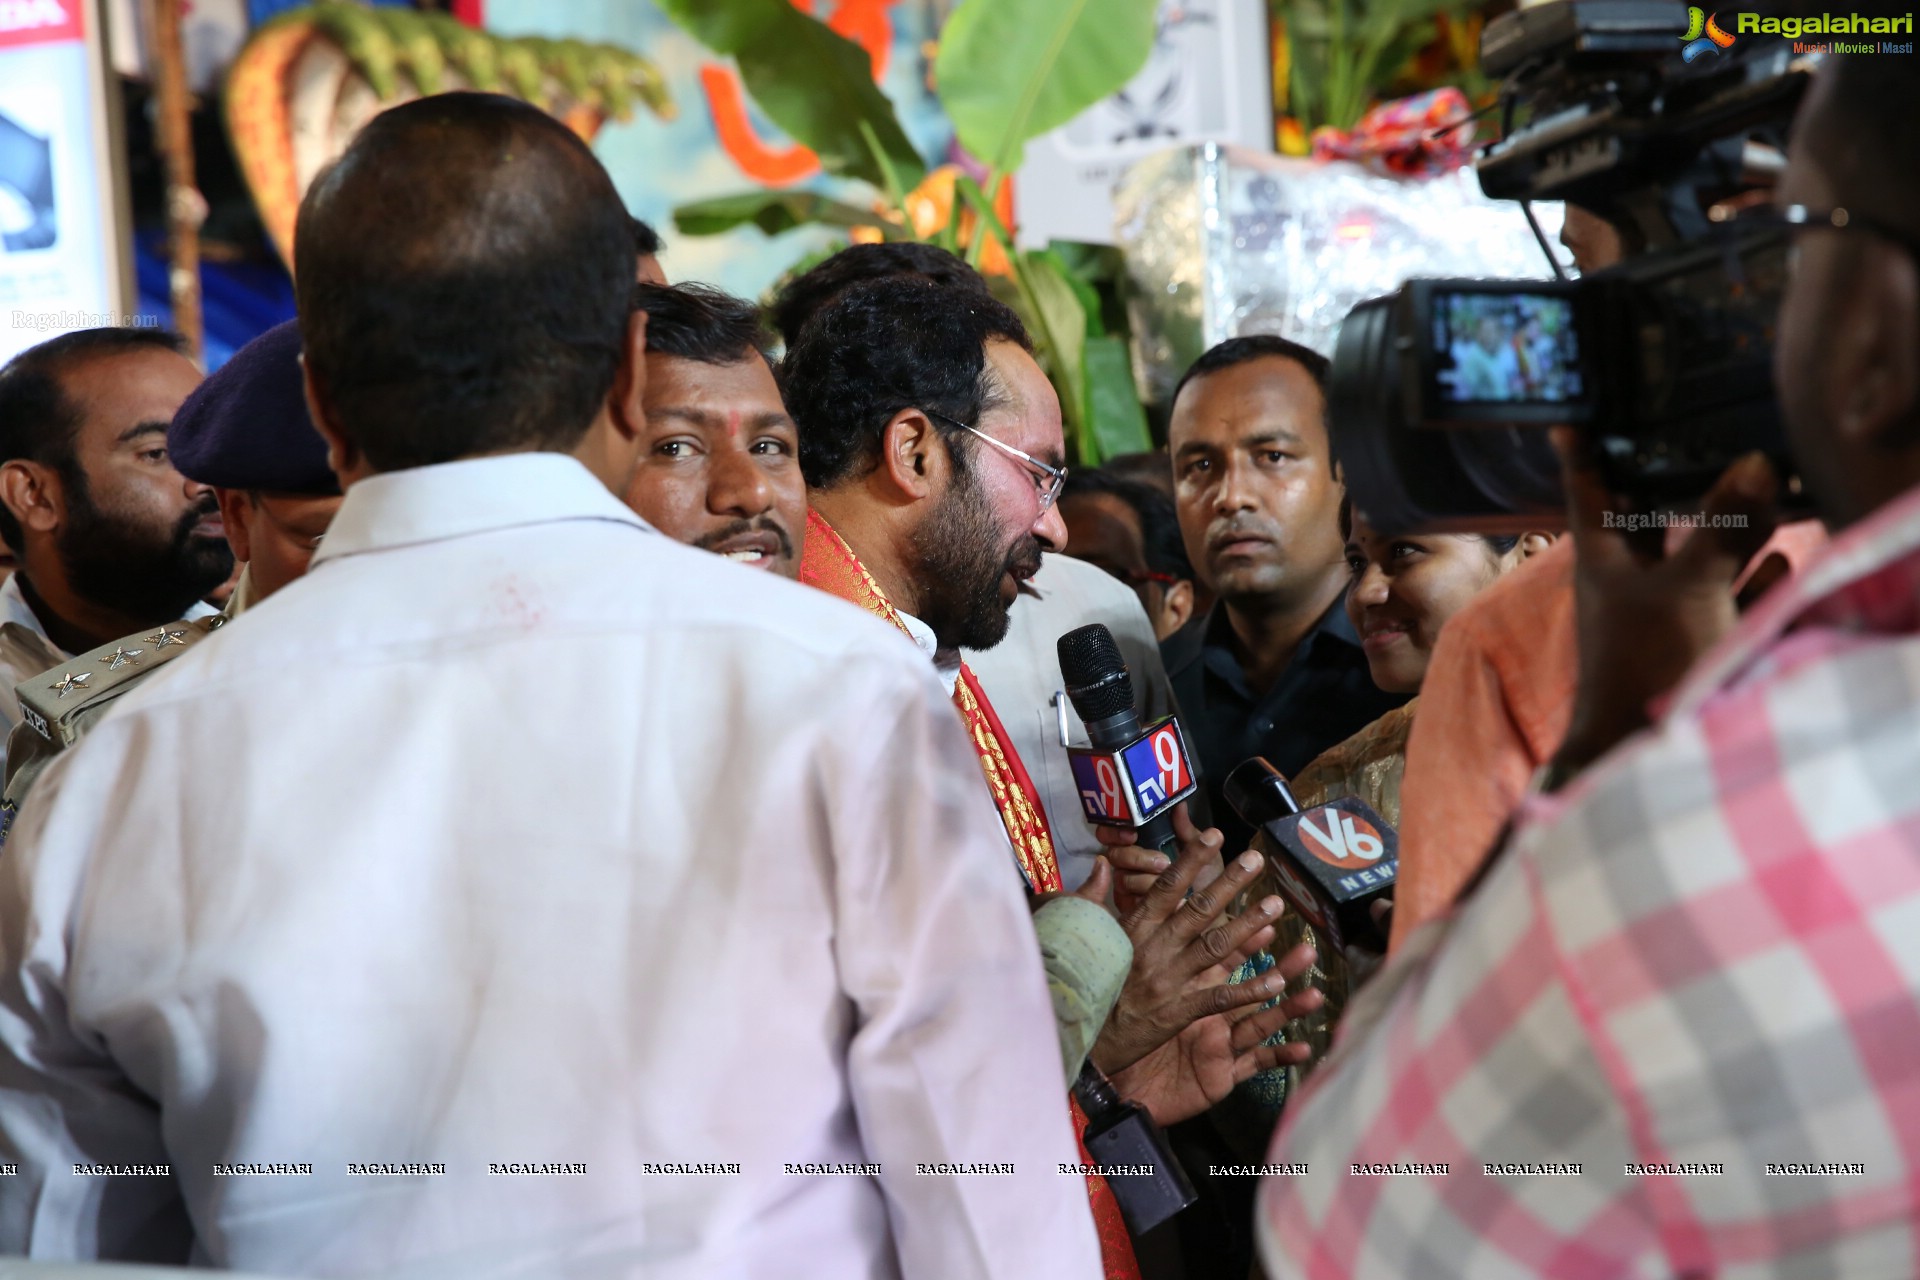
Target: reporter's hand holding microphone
(1188, 1033)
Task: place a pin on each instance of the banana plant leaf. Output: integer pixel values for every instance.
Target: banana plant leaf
(1010, 70)
(774, 212)
(811, 81)
(1058, 319)
(1117, 422)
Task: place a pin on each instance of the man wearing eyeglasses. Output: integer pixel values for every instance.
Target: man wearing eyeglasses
(1671, 1030)
(932, 449)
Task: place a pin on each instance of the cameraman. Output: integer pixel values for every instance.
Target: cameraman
(1690, 978)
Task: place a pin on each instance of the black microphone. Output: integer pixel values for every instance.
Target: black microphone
(1132, 1154)
(1129, 776)
(1331, 862)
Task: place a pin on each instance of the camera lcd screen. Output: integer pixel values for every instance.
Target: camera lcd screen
(1506, 348)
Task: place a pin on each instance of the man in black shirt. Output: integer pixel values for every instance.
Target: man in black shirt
(1275, 668)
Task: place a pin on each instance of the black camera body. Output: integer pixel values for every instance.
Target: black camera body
(1440, 394)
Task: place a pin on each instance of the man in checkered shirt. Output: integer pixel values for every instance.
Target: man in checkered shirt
(1676, 1030)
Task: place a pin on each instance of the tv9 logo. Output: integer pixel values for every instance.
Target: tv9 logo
(1103, 788)
(1157, 767)
(1340, 839)
(1131, 786)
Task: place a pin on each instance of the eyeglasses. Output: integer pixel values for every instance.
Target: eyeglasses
(1798, 217)
(1049, 480)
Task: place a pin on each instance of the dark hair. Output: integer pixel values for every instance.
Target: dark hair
(806, 293)
(1161, 544)
(646, 241)
(883, 346)
(465, 276)
(1497, 543)
(39, 422)
(1255, 346)
(1151, 467)
(696, 322)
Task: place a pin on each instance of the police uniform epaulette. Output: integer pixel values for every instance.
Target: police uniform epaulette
(59, 705)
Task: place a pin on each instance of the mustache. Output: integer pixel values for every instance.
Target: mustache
(1023, 561)
(759, 524)
(1237, 526)
(205, 506)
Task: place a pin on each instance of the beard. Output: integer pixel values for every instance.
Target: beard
(961, 559)
(131, 567)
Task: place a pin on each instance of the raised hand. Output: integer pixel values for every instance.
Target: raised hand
(1184, 949)
(1137, 867)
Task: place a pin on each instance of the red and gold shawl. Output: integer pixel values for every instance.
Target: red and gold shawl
(827, 562)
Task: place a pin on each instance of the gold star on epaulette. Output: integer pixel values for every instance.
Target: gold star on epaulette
(121, 657)
(166, 637)
(69, 681)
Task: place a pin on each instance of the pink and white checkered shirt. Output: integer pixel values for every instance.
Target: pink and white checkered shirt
(1694, 976)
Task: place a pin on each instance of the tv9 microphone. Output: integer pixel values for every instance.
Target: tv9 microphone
(1128, 776)
(1331, 862)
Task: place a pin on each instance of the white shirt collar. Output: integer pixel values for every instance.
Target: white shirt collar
(945, 661)
(474, 495)
(14, 608)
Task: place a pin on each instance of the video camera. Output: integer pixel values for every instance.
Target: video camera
(1441, 392)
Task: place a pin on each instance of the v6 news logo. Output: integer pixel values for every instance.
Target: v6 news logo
(1343, 840)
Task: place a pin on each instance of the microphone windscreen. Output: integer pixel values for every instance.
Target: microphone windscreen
(1096, 674)
(1259, 792)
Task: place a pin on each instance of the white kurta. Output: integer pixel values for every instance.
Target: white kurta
(516, 833)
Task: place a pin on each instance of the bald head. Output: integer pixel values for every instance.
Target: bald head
(463, 281)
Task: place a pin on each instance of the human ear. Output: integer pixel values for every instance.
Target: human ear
(33, 494)
(1176, 608)
(236, 513)
(910, 462)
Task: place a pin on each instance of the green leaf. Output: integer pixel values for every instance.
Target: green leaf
(811, 81)
(774, 212)
(1088, 295)
(1060, 327)
(987, 221)
(1113, 402)
(1009, 70)
(1097, 264)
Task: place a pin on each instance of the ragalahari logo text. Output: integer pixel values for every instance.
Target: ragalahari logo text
(1704, 35)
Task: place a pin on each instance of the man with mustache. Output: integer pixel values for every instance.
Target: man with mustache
(1021, 674)
(931, 444)
(245, 432)
(1275, 669)
(720, 465)
(110, 538)
(400, 999)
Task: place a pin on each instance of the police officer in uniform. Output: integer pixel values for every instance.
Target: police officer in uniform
(244, 431)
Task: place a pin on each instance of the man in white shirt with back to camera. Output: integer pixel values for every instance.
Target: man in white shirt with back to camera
(305, 970)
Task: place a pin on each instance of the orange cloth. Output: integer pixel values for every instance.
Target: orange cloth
(1493, 708)
(827, 562)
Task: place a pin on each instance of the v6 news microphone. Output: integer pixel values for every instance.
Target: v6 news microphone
(1129, 776)
(1331, 862)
